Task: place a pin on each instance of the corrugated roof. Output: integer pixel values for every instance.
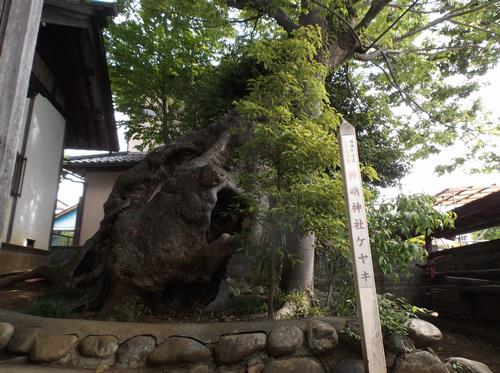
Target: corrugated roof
(464, 195)
(108, 160)
(479, 214)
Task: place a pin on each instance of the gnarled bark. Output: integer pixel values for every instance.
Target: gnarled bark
(166, 226)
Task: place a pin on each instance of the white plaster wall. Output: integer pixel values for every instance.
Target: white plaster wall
(35, 207)
(98, 186)
(18, 148)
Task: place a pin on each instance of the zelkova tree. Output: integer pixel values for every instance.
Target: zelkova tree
(255, 92)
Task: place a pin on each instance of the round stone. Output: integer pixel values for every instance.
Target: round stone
(423, 333)
(390, 359)
(322, 338)
(419, 362)
(133, 353)
(98, 346)
(294, 365)
(23, 341)
(6, 333)
(179, 350)
(399, 344)
(52, 348)
(350, 366)
(235, 348)
(284, 340)
(463, 365)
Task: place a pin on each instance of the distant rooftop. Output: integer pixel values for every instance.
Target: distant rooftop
(481, 213)
(464, 195)
(104, 161)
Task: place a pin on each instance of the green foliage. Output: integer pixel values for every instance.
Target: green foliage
(408, 81)
(292, 146)
(393, 312)
(214, 93)
(55, 303)
(131, 309)
(429, 45)
(156, 50)
(373, 120)
(302, 304)
(487, 234)
(398, 228)
(293, 139)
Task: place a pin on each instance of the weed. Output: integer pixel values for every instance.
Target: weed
(55, 303)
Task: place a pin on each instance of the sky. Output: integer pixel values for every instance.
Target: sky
(421, 178)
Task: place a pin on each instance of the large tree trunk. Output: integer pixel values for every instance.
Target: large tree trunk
(166, 231)
(298, 271)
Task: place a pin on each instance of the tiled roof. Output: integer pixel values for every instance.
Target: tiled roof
(118, 159)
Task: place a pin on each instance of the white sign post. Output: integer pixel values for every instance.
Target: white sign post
(371, 333)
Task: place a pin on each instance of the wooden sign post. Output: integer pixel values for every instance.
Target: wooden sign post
(366, 295)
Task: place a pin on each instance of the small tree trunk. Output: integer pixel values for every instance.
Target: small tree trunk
(272, 285)
(298, 273)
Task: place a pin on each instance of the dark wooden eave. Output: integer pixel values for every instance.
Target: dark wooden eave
(480, 214)
(70, 70)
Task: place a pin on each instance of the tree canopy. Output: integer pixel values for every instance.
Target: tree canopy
(403, 71)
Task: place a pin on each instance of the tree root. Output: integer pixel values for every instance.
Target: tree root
(19, 277)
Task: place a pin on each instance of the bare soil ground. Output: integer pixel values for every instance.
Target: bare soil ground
(474, 348)
(20, 296)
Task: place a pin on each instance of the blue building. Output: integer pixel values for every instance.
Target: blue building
(63, 232)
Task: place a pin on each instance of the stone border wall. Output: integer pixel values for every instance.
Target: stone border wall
(302, 346)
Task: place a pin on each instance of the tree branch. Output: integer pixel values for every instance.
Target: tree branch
(434, 51)
(391, 77)
(375, 8)
(421, 11)
(391, 25)
(351, 30)
(265, 6)
(455, 13)
(350, 84)
(375, 54)
(475, 27)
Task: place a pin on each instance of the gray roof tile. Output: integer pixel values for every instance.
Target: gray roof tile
(120, 159)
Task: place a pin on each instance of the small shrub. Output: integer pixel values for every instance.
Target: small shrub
(54, 303)
(394, 313)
